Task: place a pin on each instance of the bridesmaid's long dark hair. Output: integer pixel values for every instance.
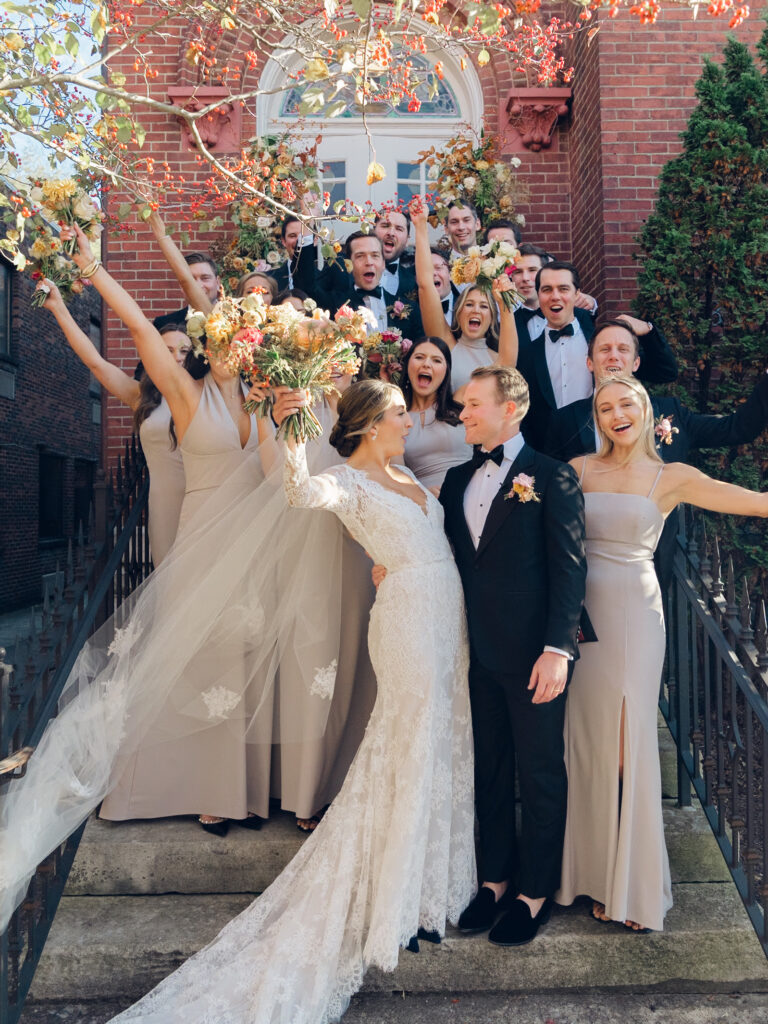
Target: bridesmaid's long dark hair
(149, 396)
(447, 408)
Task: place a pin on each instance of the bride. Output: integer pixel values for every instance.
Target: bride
(395, 851)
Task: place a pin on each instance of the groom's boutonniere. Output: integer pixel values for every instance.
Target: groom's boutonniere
(522, 489)
(663, 429)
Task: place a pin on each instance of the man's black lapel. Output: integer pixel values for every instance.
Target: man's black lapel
(538, 352)
(463, 474)
(500, 507)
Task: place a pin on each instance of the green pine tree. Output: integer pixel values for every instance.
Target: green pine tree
(704, 276)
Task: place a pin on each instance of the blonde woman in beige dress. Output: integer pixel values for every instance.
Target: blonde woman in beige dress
(479, 316)
(614, 842)
(152, 419)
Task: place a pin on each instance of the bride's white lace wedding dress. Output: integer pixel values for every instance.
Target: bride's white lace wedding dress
(395, 851)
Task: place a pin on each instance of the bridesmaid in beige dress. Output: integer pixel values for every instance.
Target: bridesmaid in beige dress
(210, 771)
(307, 775)
(614, 841)
(436, 439)
(152, 418)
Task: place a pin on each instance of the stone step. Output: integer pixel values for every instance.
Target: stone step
(175, 855)
(123, 945)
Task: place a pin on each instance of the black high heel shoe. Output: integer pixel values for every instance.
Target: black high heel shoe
(216, 828)
(253, 822)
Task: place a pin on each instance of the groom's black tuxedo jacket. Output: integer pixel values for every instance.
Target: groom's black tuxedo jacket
(524, 585)
(657, 366)
(572, 433)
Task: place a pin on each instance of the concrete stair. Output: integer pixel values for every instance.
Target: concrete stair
(142, 897)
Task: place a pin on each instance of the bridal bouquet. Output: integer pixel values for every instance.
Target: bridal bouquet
(278, 345)
(384, 352)
(483, 264)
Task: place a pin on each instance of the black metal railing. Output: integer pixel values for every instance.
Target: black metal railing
(715, 701)
(101, 570)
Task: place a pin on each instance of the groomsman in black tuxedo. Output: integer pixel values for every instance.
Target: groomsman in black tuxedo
(204, 271)
(299, 247)
(392, 228)
(446, 289)
(615, 349)
(366, 256)
(554, 363)
(515, 519)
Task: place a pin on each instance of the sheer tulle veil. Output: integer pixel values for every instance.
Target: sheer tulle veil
(249, 578)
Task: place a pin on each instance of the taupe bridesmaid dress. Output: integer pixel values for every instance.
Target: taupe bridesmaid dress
(166, 481)
(614, 841)
(307, 775)
(466, 356)
(433, 447)
(211, 771)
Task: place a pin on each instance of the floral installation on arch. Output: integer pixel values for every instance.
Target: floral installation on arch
(289, 176)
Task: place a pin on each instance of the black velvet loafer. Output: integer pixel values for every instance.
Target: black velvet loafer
(481, 912)
(517, 927)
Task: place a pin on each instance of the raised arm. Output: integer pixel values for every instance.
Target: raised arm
(193, 293)
(174, 383)
(508, 346)
(657, 360)
(303, 490)
(432, 316)
(124, 388)
(683, 483)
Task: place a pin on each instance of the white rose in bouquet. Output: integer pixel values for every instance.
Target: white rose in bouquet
(84, 208)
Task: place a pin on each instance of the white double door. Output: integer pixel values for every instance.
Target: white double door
(345, 154)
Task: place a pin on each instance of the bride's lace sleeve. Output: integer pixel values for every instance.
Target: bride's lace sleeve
(305, 491)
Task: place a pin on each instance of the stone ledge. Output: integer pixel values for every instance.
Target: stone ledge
(123, 945)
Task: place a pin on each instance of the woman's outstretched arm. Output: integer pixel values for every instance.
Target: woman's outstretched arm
(193, 292)
(115, 380)
(432, 316)
(683, 483)
(175, 384)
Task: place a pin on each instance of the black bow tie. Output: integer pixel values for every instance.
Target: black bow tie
(563, 332)
(479, 457)
(375, 292)
(446, 303)
(393, 266)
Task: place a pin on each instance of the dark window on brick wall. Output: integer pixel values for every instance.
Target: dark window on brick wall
(95, 335)
(6, 277)
(83, 493)
(51, 497)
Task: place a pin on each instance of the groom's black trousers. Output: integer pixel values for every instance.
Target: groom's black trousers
(508, 728)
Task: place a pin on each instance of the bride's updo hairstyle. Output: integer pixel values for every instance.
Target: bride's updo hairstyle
(361, 406)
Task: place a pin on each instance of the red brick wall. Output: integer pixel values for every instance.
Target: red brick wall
(52, 411)
(628, 111)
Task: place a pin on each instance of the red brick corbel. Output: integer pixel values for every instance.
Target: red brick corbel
(220, 130)
(532, 116)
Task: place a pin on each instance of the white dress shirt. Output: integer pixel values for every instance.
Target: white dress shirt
(448, 311)
(567, 365)
(378, 307)
(484, 486)
(482, 489)
(390, 280)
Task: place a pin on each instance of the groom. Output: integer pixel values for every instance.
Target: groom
(515, 519)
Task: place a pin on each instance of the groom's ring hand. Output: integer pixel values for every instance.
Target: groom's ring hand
(548, 678)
